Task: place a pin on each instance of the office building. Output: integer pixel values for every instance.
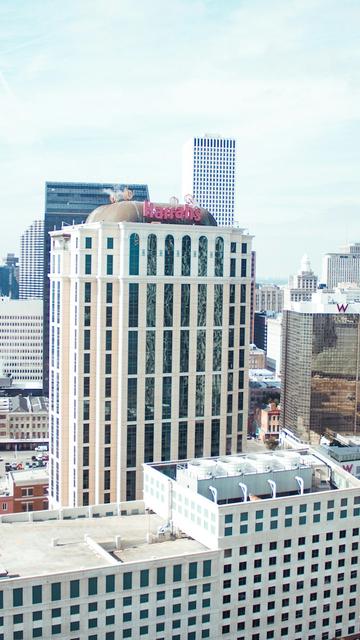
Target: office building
(31, 270)
(209, 164)
(274, 343)
(320, 366)
(21, 341)
(261, 546)
(257, 357)
(69, 203)
(302, 285)
(269, 297)
(9, 277)
(252, 295)
(149, 346)
(342, 267)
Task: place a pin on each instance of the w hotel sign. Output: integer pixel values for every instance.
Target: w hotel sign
(342, 308)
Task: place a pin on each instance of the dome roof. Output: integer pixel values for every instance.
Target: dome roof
(132, 211)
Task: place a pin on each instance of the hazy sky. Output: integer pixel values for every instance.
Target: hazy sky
(108, 90)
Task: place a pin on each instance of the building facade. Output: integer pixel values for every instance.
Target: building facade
(9, 277)
(302, 285)
(69, 203)
(21, 340)
(320, 367)
(149, 346)
(252, 547)
(269, 297)
(209, 165)
(274, 343)
(342, 267)
(24, 421)
(31, 270)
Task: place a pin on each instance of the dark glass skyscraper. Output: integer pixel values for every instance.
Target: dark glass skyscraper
(68, 203)
(320, 371)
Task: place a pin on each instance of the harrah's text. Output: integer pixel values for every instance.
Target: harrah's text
(180, 212)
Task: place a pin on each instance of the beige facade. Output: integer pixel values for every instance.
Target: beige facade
(147, 357)
(24, 419)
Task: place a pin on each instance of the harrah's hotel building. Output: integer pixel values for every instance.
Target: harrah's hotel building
(149, 319)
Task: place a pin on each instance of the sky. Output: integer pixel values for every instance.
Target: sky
(109, 90)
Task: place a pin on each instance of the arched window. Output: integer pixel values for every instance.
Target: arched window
(203, 250)
(134, 246)
(169, 255)
(186, 256)
(219, 257)
(151, 255)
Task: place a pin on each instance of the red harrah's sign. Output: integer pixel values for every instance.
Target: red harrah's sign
(184, 212)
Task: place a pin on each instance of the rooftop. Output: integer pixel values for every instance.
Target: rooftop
(55, 545)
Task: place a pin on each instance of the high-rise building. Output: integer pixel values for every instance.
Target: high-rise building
(342, 267)
(149, 346)
(321, 366)
(259, 546)
(274, 343)
(269, 297)
(69, 203)
(252, 295)
(21, 341)
(302, 285)
(31, 272)
(9, 277)
(209, 175)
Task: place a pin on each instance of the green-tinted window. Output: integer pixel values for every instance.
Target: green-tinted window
(56, 613)
(177, 572)
(243, 528)
(259, 514)
(37, 615)
(92, 623)
(144, 578)
(74, 609)
(37, 633)
(144, 597)
(87, 264)
(56, 628)
(273, 524)
(75, 626)
(17, 597)
(127, 580)
(330, 515)
(88, 243)
(160, 575)
(92, 586)
(109, 265)
(206, 568)
(127, 633)
(110, 583)
(109, 243)
(160, 595)
(288, 522)
(110, 620)
(288, 511)
(317, 506)
(92, 606)
(37, 594)
(127, 602)
(193, 570)
(144, 613)
(74, 588)
(259, 526)
(316, 517)
(18, 618)
(302, 508)
(302, 520)
(110, 604)
(144, 630)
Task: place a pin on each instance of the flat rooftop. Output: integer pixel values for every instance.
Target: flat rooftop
(28, 549)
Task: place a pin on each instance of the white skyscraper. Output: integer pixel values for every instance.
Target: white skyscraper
(342, 267)
(21, 324)
(149, 334)
(31, 280)
(209, 175)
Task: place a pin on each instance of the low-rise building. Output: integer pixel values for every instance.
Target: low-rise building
(270, 422)
(24, 421)
(25, 490)
(257, 358)
(228, 547)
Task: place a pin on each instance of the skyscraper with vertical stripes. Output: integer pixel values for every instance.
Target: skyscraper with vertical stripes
(31, 280)
(209, 164)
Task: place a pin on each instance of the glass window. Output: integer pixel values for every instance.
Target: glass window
(131, 446)
(55, 591)
(134, 246)
(87, 292)
(110, 583)
(219, 257)
(132, 398)
(217, 349)
(182, 453)
(149, 443)
(132, 352)
(186, 256)
(165, 441)
(201, 305)
(151, 255)
(177, 572)
(127, 580)
(166, 398)
(201, 350)
(87, 263)
(183, 396)
(184, 351)
(215, 437)
(232, 267)
(167, 351)
(151, 305)
(218, 305)
(144, 578)
(149, 398)
(168, 305)
(169, 256)
(150, 352)
(216, 395)
(200, 396)
(109, 243)
(185, 305)
(192, 570)
(109, 265)
(37, 594)
(88, 243)
(160, 575)
(133, 304)
(92, 586)
(243, 267)
(203, 250)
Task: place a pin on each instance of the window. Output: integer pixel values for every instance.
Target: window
(109, 265)
(160, 575)
(169, 255)
(219, 257)
(87, 264)
(110, 243)
(127, 580)
(56, 591)
(92, 586)
(133, 304)
(134, 246)
(110, 583)
(151, 255)
(202, 260)
(37, 594)
(186, 256)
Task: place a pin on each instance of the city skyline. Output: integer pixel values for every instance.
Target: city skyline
(278, 78)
